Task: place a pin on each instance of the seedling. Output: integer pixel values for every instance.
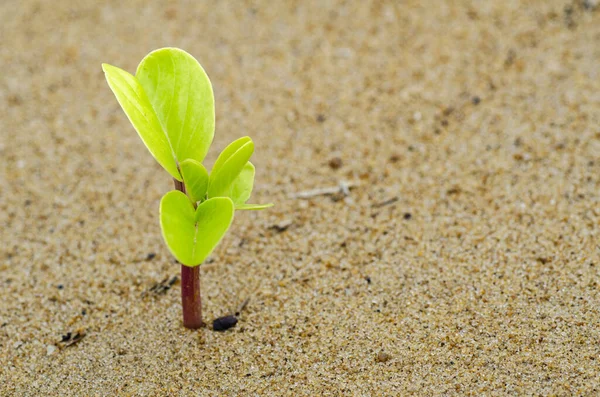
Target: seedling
(170, 104)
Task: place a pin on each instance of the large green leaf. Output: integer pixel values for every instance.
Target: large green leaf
(170, 103)
(228, 166)
(192, 235)
(182, 96)
(132, 98)
(195, 177)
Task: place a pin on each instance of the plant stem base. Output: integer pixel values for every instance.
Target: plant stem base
(190, 297)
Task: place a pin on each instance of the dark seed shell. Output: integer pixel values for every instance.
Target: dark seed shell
(224, 323)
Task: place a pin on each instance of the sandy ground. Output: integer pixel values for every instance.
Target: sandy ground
(465, 260)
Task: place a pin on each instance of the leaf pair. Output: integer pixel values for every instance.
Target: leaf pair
(192, 234)
(232, 176)
(170, 103)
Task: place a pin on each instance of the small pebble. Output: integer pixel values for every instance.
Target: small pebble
(383, 357)
(50, 349)
(407, 215)
(335, 163)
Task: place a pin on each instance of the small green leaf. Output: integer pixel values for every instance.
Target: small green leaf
(192, 235)
(228, 166)
(253, 206)
(132, 98)
(181, 94)
(241, 187)
(195, 177)
(230, 150)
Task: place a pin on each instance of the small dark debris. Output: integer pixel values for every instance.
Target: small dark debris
(386, 202)
(242, 306)
(14, 100)
(321, 118)
(4, 325)
(543, 260)
(70, 338)
(475, 100)
(162, 287)
(444, 123)
(394, 158)
(224, 323)
(150, 256)
(448, 111)
(28, 203)
(247, 375)
(282, 226)
(383, 357)
(407, 216)
(335, 163)
(60, 286)
(368, 279)
(454, 190)
(83, 312)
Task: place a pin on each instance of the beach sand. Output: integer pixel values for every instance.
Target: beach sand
(464, 260)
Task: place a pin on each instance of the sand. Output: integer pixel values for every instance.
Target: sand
(464, 260)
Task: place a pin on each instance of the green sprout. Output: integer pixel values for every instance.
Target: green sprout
(170, 103)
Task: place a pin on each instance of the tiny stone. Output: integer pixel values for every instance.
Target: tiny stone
(383, 357)
(321, 118)
(224, 323)
(335, 163)
(407, 215)
(60, 286)
(476, 100)
(150, 256)
(50, 349)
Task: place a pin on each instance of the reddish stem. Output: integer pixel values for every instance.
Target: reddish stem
(190, 297)
(191, 300)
